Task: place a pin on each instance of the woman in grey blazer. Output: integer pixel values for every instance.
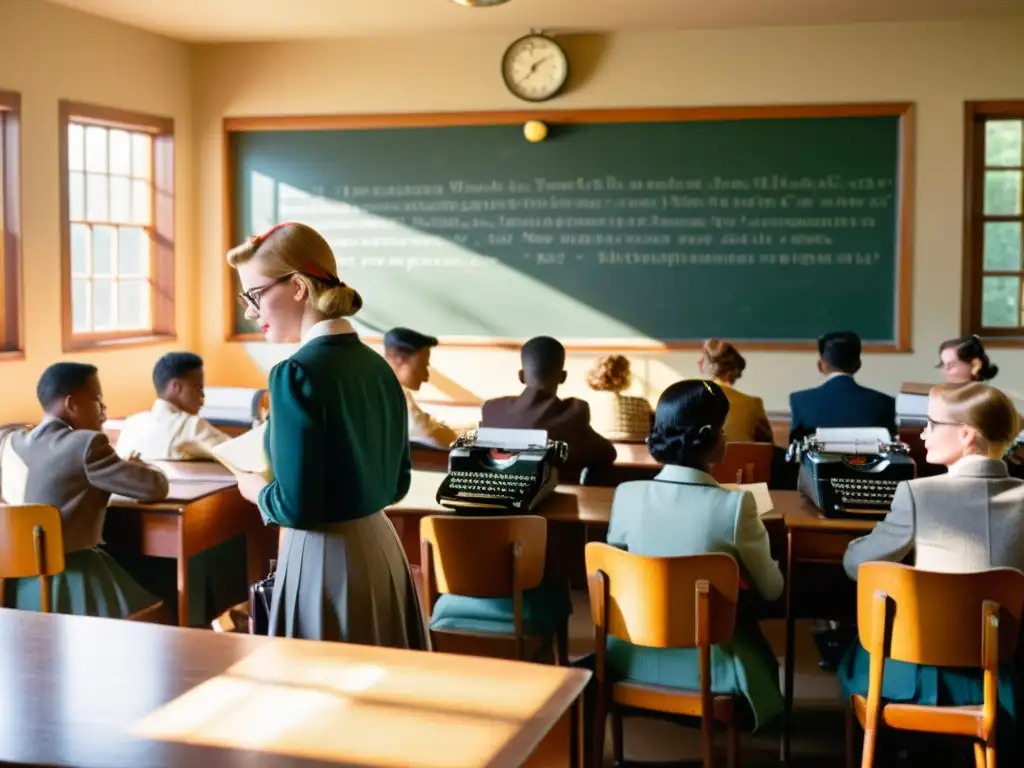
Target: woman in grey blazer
(970, 519)
(683, 511)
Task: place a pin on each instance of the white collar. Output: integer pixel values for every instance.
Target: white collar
(162, 406)
(978, 466)
(836, 374)
(333, 327)
(673, 473)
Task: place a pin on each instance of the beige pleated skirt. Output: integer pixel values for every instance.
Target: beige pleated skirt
(348, 582)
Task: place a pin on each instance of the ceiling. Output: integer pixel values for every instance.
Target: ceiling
(239, 20)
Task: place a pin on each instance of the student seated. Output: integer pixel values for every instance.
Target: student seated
(408, 354)
(964, 359)
(747, 421)
(67, 462)
(539, 407)
(172, 429)
(840, 401)
(683, 511)
(613, 414)
(967, 520)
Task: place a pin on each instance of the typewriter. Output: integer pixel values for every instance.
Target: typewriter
(852, 472)
(501, 471)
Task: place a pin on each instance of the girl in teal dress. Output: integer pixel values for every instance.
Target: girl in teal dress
(683, 511)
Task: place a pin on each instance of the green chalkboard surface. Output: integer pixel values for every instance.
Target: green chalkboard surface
(766, 230)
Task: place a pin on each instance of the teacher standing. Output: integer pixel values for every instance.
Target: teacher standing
(338, 445)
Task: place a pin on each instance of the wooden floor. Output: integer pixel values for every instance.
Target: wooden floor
(819, 731)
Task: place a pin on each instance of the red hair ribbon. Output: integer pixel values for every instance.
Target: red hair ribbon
(259, 239)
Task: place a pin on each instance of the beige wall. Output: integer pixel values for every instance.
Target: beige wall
(937, 66)
(48, 53)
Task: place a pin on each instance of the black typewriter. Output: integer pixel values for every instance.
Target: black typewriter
(847, 476)
(501, 471)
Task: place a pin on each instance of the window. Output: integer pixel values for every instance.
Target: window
(118, 197)
(10, 226)
(994, 212)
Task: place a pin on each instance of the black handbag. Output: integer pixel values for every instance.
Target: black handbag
(261, 595)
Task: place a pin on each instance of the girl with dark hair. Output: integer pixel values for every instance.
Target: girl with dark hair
(964, 359)
(683, 511)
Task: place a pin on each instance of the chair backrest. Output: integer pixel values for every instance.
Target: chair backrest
(936, 618)
(472, 556)
(20, 528)
(652, 601)
(745, 463)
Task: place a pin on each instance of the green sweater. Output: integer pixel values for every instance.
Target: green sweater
(338, 435)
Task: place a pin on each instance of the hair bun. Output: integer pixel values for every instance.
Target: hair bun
(339, 301)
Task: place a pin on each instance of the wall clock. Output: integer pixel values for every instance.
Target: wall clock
(535, 68)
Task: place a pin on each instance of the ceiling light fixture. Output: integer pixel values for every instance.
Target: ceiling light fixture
(479, 3)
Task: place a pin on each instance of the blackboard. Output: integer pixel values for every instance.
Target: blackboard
(768, 226)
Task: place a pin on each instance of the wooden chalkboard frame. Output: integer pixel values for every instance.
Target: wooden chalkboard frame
(905, 202)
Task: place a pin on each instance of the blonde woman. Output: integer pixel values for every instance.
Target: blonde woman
(613, 414)
(967, 520)
(338, 444)
(748, 421)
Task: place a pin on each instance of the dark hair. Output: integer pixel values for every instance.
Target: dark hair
(722, 360)
(687, 422)
(62, 379)
(840, 350)
(968, 349)
(543, 357)
(405, 341)
(174, 365)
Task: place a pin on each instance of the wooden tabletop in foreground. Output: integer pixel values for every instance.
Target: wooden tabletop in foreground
(98, 692)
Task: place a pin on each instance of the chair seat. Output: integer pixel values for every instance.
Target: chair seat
(953, 721)
(677, 701)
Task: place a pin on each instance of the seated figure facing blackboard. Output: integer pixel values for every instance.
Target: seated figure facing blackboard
(840, 401)
(539, 407)
(408, 354)
(613, 414)
(747, 421)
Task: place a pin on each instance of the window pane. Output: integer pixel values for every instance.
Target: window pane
(97, 194)
(142, 202)
(133, 304)
(96, 149)
(1000, 302)
(1003, 142)
(76, 147)
(1002, 246)
(120, 200)
(1002, 193)
(80, 305)
(142, 155)
(79, 249)
(104, 250)
(76, 196)
(133, 252)
(121, 152)
(102, 305)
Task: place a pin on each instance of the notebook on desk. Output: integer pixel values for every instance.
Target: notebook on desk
(245, 453)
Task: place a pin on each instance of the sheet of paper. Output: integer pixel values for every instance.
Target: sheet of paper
(762, 496)
(511, 439)
(245, 453)
(193, 471)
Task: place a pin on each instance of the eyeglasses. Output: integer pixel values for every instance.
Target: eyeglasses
(932, 423)
(251, 298)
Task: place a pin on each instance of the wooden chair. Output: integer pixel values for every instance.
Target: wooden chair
(745, 463)
(967, 620)
(31, 544)
(500, 556)
(662, 602)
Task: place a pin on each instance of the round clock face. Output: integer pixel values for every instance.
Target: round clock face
(535, 68)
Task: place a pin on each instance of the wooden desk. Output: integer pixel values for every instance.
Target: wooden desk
(85, 691)
(193, 518)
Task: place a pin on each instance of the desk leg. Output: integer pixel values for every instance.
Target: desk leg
(787, 711)
(182, 588)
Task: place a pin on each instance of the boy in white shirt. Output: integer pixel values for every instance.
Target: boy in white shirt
(172, 429)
